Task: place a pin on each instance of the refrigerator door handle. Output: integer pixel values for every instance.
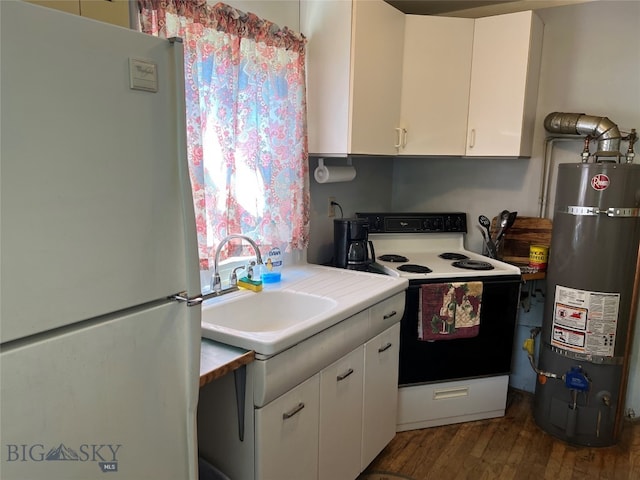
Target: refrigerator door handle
(190, 301)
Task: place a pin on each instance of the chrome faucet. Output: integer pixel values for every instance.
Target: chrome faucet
(216, 283)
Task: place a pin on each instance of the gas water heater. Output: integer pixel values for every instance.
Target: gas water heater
(592, 287)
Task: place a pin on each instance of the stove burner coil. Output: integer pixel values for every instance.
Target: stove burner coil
(473, 265)
(411, 268)
(453, 256)
(393, 258)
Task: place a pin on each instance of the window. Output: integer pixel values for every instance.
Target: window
(246, 124)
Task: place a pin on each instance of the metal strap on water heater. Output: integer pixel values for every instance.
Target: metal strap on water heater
(609, 212)
(599, 359)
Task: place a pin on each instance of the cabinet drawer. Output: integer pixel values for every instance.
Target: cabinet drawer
(386, 313)
(277, 374)
(430, 405)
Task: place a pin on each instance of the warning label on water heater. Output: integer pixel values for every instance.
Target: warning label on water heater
(585, 322)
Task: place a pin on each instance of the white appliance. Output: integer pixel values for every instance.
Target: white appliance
(453, 380)
(99, 361)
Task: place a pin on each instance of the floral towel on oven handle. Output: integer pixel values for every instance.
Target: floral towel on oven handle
(449, 310)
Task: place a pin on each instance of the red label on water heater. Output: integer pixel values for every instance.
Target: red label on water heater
(600, 181)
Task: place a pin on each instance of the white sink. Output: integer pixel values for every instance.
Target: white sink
(266, 311)
(262, 321)
(308, 300)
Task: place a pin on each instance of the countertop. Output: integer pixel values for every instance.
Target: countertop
(218, 359)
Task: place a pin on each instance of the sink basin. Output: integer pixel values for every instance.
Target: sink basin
(257, 321)
(308, 300)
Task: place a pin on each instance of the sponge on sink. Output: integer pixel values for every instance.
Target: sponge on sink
(255, 285)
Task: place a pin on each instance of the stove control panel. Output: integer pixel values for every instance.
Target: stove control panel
(416, 222)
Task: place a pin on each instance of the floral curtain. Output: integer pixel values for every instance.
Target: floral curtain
(246, 123)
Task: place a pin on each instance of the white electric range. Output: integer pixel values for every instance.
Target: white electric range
(453, 380)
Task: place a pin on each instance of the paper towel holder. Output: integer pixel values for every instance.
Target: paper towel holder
(327, 174)
(321, 162)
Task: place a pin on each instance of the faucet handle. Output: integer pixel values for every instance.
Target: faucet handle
(250, 269)
(233, 280)
(216, 283)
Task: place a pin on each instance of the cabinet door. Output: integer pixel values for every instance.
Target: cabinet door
(69, 6)
(377, 40)
(341, 417)
(504, 84)
(287, 434)
(380, 393)
(354, 75)
(435, 84)
(115, 12)
(327, 26)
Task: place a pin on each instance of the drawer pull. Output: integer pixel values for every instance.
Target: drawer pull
(385, 347)
(389, 315)
(451, 393)
(345, 375)
(291, 413)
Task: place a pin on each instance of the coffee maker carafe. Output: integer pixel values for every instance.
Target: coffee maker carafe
(351, 243)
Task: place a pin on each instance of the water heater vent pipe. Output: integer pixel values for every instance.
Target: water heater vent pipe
(601, 129)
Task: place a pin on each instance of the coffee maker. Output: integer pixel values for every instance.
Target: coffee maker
(351, 244)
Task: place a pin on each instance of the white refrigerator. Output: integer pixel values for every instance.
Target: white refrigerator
(99, 357)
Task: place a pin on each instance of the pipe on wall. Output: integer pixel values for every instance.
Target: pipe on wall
(601, 129)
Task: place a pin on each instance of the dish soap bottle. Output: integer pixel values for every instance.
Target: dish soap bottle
(272, 266)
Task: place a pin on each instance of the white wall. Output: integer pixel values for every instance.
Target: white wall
(284, 13)
(369, 191)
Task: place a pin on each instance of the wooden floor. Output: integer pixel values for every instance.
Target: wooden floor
(512, 447)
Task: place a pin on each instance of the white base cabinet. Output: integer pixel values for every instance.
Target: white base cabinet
(322, 409)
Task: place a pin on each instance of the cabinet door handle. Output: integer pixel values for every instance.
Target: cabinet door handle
(389, 315)
(385, 347)
(472, 138)
(399, 132)
(292, 412)
(344, 375)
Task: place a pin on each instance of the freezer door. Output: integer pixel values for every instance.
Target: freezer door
(117, 397)
(92, 213)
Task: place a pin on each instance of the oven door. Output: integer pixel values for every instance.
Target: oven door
(487, 354)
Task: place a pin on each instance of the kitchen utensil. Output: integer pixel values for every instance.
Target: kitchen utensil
(491, 249)
(486, 223)
(509, 222)
(503, 218)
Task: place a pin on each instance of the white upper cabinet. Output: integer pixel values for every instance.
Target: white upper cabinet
(354, 75)
(470, 87)
(504, 84)
(115, 12)
(435, 85)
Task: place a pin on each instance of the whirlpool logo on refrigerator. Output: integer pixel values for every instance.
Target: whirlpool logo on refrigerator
(105, 455)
